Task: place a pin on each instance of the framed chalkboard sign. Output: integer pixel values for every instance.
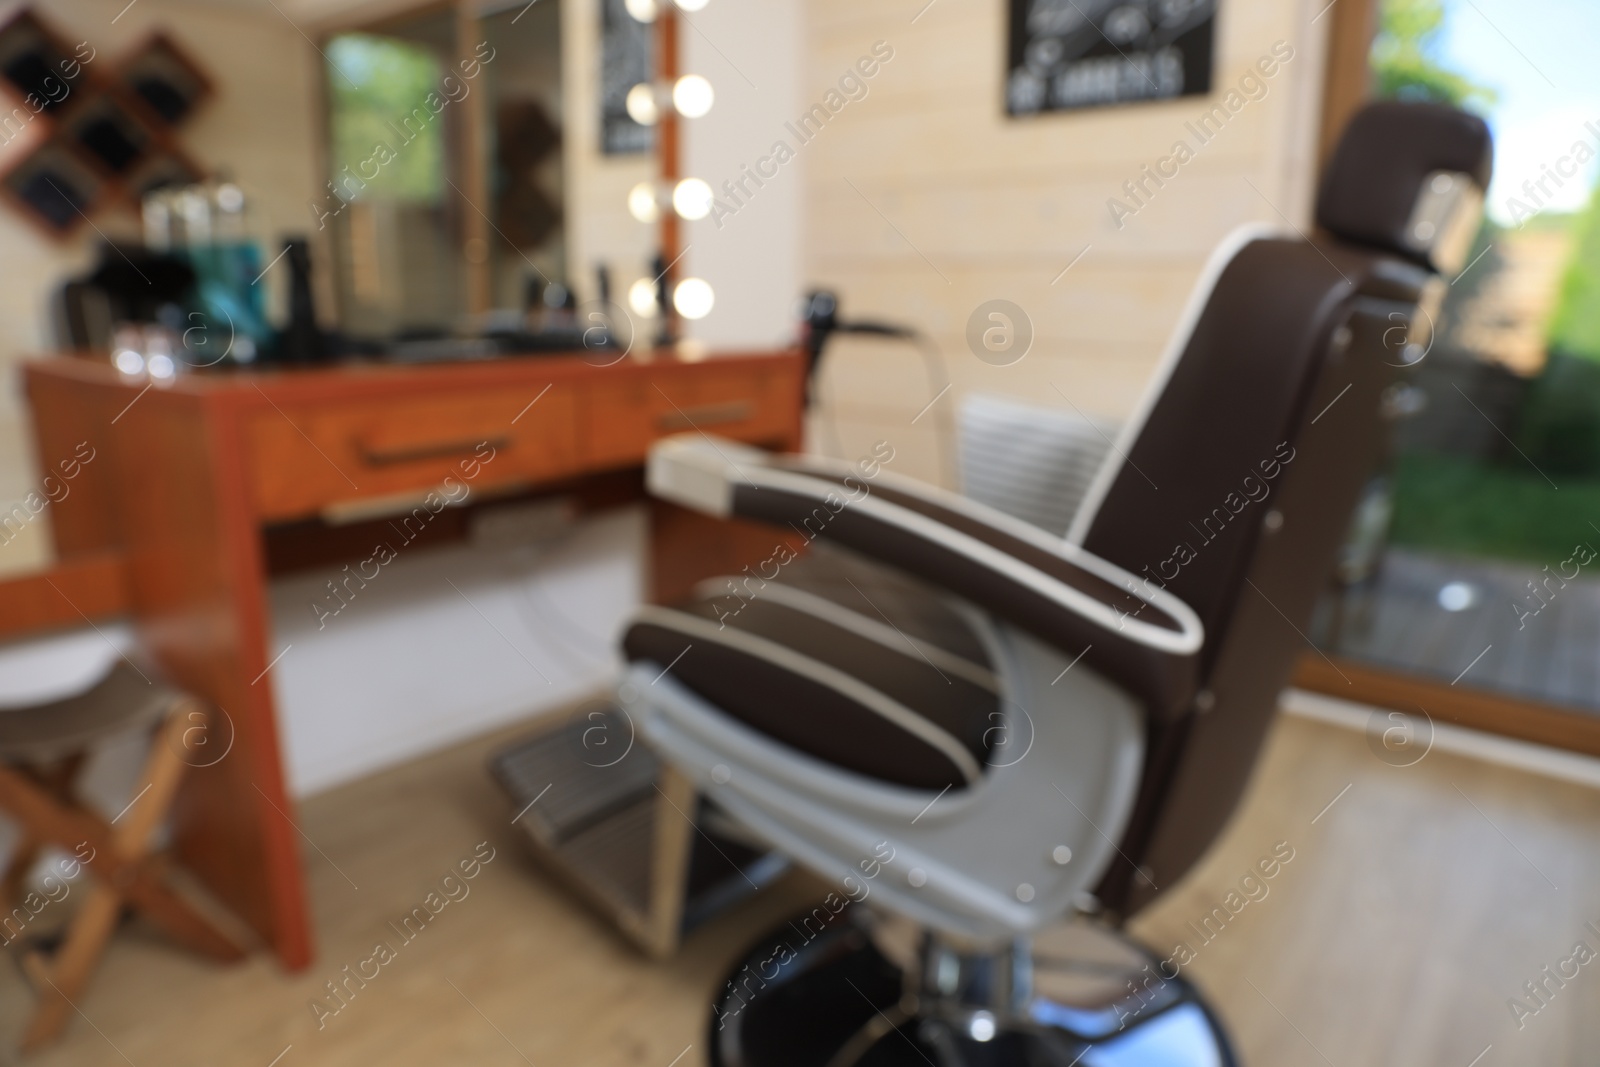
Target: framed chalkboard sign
(625, 61)
(1070, 54)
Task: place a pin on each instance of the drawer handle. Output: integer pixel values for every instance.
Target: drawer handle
(383, 457)
(696, 418)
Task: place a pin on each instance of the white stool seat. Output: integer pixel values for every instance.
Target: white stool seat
(57, 667)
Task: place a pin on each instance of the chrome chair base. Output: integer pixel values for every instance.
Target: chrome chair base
(825, 990)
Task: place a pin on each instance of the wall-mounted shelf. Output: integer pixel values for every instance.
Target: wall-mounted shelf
(165, 80)
(31, 56)
(54, 188)
(77, 135)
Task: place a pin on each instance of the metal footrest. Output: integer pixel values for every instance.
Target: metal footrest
(624, 831)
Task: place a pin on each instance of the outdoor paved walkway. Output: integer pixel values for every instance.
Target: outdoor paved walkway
(1397, 620)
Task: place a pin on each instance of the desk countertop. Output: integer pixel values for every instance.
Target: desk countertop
(305, 438)
(373, 378)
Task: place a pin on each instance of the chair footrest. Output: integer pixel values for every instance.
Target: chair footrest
(606, 817)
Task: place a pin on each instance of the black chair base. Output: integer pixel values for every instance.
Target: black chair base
(813, 995)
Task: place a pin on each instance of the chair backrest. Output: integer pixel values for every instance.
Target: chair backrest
(1233, 485)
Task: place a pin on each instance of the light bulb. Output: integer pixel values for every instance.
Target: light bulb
(641, 10)
(693, 298)
(691, 5)
(642, 202)
(642, 106)
(691, 198)
(642, 298)
(129, 361)
(161, 366)
(692, 96)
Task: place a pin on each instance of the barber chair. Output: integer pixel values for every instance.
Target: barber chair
(980, 729)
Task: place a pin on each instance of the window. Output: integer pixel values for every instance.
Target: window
(1476, 559)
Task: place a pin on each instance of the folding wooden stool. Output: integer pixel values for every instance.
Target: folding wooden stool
(42, 748)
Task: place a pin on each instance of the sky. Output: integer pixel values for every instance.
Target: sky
(1540, 58)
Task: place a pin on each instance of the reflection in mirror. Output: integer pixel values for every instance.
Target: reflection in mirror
(444, 197)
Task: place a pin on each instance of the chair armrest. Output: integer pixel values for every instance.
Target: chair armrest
(1135, 634)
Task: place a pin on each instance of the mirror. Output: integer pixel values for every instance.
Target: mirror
(445, 198)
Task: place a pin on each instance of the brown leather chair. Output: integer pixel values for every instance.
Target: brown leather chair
(984, 728)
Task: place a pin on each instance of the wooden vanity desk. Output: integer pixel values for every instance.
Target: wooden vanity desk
(213, 482)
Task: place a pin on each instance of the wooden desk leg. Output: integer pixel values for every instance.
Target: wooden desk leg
(687, 547)
(199, 591)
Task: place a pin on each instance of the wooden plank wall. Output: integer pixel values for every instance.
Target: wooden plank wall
(924, 200)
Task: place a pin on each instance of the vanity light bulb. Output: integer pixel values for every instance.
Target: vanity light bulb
(692, 96)
(642, 298)
(691, 5)
(691, 199)
(641, 10)
(693, 298)
(642, 106)
(642, 203)
(129, 361)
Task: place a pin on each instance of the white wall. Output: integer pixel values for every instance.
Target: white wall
(410, 665)
(750, 51)
(599, 228)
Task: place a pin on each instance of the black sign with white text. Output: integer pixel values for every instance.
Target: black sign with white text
(1068, 54)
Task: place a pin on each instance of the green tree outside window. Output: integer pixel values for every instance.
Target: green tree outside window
(1403, 58)
(376, 84)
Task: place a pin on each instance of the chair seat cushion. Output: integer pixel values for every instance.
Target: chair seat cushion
(845, 661)
(122, 700)
(46, 669)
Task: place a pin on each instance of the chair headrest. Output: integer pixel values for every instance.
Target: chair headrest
(1409, 178)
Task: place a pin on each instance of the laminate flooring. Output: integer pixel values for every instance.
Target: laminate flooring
(1418, 902)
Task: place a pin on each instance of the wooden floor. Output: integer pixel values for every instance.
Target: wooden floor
(1413, 908)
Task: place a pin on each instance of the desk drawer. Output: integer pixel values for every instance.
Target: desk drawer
(303, 458)
(622, 418)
